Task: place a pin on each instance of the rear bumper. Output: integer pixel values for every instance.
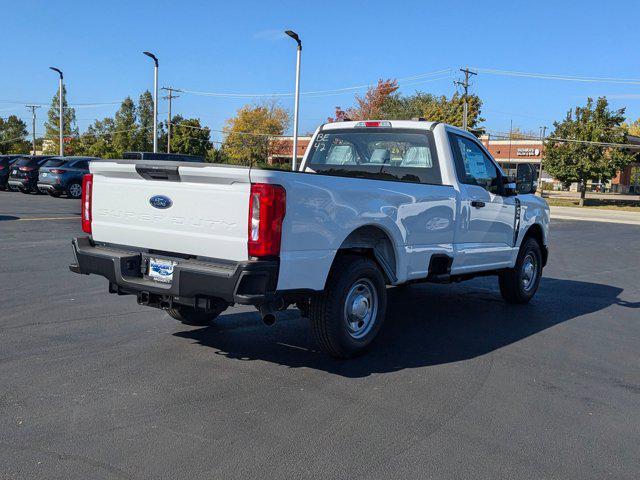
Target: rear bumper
(19, 182)
(194, 281)
(49, 187)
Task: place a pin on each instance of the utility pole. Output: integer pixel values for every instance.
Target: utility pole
(465, 85)
(543, 131)
(33, 124)
(169, 97)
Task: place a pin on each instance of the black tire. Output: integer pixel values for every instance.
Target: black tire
(517, 285)
(74, 190)
(356, 280)
(190, 316)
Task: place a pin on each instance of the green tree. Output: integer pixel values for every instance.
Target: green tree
(97, 141)
(248, 133)
(144, 137)
(433, 108)
(577, 161)
(633, 128)
(189, 137)
(125, 131)
(52, 125)
(13, 135)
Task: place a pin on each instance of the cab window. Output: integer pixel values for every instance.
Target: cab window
(473, 166)
(380, 154)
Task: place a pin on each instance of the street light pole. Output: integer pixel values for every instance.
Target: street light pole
(60, 87)
(294, 162)
(155, 100)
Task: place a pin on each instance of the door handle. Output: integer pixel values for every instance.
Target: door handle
(477, 203)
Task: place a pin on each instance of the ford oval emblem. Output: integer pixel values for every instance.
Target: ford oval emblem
(160, 201)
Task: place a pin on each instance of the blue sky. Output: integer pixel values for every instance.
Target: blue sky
(237, 47)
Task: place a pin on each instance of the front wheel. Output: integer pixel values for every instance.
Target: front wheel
(520, 283)
(348, 315)
(191, 316)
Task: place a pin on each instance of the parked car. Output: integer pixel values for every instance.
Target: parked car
(6, 161)
(64, 175)
(374, 203)
(171, 157)
(24, 172)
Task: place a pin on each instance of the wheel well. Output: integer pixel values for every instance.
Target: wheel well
(374, 243)
(535, 232)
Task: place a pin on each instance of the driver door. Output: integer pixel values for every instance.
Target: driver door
(485, 233)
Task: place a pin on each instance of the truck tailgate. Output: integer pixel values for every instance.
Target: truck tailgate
(204, 211)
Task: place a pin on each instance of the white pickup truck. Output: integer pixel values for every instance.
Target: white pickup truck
(373, 204)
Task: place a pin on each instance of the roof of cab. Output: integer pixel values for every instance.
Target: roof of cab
(416, 124)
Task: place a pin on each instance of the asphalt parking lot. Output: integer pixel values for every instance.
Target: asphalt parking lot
(460, 385)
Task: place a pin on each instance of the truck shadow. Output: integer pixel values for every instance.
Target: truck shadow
(425, 325)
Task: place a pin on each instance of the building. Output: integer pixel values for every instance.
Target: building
(628, 180)
(280, 149)
(509, 153)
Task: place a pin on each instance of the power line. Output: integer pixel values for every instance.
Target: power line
(523, 136)
(551, 76)
(438, 73)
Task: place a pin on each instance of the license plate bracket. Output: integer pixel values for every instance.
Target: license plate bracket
(161, 270)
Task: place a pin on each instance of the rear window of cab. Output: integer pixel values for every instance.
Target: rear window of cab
(405, 155)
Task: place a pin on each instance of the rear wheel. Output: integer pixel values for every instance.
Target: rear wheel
(191, 316)
(347, 317)
(74, 190)
(520, 283)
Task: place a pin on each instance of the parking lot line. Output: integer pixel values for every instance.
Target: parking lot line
(46, 218)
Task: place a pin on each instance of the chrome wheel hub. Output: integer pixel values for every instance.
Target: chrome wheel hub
(75, 190)
(529, 272)
(361, 308)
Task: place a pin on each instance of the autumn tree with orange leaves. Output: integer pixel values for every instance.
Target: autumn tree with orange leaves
(368, 106)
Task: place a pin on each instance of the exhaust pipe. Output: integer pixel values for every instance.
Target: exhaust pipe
(267, 314)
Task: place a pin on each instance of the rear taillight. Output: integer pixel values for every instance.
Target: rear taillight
(1, 167)
(267, 207)
(25, 169)
(87, 190)
(57, 171)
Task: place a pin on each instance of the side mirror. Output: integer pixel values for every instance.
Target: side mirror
(509, 186)
(525, 179)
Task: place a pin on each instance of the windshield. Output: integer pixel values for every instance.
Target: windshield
(385, 154)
